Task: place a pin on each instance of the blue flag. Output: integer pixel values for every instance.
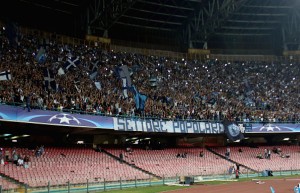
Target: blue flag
(124, 74)
(40, 57)
(139, 98)
(232, 130)
(71, 63)
(49, 79)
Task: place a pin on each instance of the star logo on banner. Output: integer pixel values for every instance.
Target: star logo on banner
(64, 118)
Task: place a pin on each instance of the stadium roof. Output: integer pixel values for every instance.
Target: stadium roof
(188, 22)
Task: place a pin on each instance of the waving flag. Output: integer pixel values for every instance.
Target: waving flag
(41, 57)
(49, 80)
(98, 85)
(94, 69)
(93, 75)
(139, 98)
(153, 81)
(5, 75)
(124, 75)
(232, 131)
(94, 66)
(60, 71)
(71, 63)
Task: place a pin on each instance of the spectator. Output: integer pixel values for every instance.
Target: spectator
(121, 157)
(201, 154)
(259, 156)
(26, 161)
(20, 161)
(37, 151)
(269, 154)
(41, 150)
(15, 157)
(98, 149)
(266, 153)
(227, 153)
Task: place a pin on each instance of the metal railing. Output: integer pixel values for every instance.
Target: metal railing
(103, 185)
(75, 111)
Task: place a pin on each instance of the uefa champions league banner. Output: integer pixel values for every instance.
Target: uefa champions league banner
(270, 127)
(154, 125)
(19, 114)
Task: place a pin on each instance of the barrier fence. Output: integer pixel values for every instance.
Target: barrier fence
(102, 185)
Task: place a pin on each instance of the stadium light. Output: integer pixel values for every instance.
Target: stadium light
(286, 139)
(5, 135)
(19, 136)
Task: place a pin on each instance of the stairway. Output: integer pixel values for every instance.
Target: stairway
(7, 179)
(131, 165)
(234, 162)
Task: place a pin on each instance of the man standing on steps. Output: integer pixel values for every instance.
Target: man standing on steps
(121, 157)
(237, 173)
(227, 153)
(237, 170)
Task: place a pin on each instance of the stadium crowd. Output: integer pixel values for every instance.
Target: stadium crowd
(43, 76)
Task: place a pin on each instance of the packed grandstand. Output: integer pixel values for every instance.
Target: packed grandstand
(49, 75)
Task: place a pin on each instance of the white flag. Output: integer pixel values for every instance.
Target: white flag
(98, 85)
(5, 75)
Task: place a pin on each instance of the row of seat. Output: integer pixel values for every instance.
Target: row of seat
(166, 163)
(62, 165)
(248, 157)
(6, 184)
(58, 166)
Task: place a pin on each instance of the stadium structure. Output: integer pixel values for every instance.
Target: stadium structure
(102, 94)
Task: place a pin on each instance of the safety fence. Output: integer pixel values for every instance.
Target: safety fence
(102, 185)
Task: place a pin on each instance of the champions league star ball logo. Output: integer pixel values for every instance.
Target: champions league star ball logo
(269, 127)
(234, 130)
(64, 119)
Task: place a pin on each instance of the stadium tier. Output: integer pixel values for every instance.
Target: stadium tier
(211, 100)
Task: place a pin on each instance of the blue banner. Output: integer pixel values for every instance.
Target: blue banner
(20, 114)
(270, 127)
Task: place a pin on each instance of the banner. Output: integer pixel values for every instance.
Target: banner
(20, 114)
(270, 127)
(151, 125)
(232, 131)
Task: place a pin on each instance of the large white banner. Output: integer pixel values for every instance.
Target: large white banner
(150, 125)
